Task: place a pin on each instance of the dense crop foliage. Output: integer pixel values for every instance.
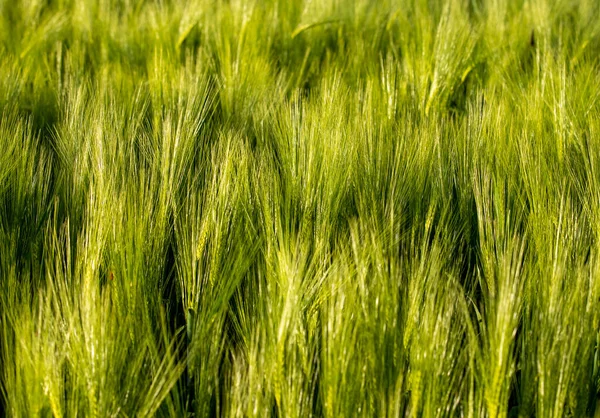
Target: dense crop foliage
(294, 208)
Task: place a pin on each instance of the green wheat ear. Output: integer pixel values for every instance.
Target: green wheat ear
(202, 240)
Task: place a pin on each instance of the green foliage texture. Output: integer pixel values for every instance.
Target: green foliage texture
(299, 208)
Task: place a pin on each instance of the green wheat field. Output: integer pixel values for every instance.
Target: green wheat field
(300, 208)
